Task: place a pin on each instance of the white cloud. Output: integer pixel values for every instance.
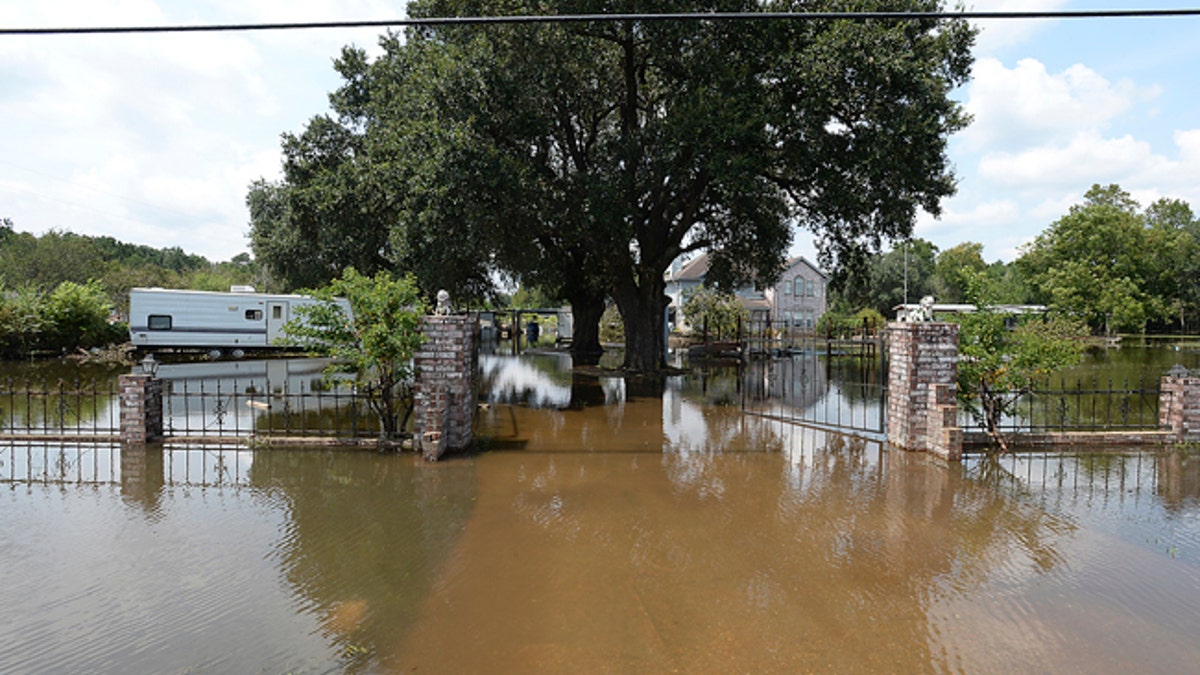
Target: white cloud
(155, 138)
(999, 34)
(1013, 107)
(1086, 158)
(980, 217)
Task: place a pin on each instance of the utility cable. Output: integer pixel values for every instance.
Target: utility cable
(641, 17)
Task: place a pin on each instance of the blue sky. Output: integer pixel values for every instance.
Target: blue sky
(154, 139)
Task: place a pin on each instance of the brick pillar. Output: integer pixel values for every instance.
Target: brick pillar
(444, 406)
(141, 409)
(1179, 405)
(922, 386)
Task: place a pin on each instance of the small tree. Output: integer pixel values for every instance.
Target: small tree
(999, 364)
(718, 313)
(376, 343)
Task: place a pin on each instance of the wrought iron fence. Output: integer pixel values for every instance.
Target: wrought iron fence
(764, 337)
(819, 389)
(62, 407)
(238, 408)
(1081, 405)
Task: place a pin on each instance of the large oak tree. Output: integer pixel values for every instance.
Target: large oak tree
(587, 156)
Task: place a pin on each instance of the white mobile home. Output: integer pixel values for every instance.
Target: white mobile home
(240, 319)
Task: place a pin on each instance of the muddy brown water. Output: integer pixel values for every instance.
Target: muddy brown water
(603, 528)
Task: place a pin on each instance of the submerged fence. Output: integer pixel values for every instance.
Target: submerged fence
(1079, 405)
(233, 408)
(59, 408)
(816, 385)
(254, 405)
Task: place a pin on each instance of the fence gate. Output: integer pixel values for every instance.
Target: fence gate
(814, 383)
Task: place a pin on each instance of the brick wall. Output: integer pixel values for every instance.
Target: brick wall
(444, 411)
(922, 386)
(1179, 406)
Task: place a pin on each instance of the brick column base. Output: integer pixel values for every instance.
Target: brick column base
(922, 388)
(141, 401)
(1179, 406)
(444, 406)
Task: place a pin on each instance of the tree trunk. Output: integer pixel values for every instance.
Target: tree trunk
(585, 338)
(642, 310)
(993, 411)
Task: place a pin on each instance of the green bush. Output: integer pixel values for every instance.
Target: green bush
(73, 316)
(838, 324)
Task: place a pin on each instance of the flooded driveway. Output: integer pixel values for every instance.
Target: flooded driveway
(601, 529)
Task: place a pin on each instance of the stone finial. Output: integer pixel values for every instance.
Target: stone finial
(1178, 371)
(443, 304)
(924, 311)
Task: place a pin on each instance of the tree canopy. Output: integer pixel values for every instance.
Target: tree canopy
(1116, 266)
(585, 157)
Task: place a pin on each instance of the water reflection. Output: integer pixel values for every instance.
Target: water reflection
(609, 525)
(689, 559)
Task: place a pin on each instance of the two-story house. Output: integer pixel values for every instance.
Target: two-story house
(798, 299)
(795, 302)
(685, 277)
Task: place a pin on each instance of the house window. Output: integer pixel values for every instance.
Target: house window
(158, 322)
(787, 287)
(254, 315)
(799, 286)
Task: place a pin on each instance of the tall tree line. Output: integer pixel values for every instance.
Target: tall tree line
(60, 291)
(1109, 262)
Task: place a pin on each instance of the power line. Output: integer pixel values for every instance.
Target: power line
(584, 18)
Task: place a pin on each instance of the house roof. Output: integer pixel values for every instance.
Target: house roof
(792, 262)
(692, 270)
(755, 304)
(696, 268)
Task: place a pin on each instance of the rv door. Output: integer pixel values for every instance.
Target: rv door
(278, 314)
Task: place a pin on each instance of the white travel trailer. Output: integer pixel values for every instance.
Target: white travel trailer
(161, 318)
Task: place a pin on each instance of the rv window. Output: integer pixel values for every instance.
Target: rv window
(158, 322)
(276, 312)
(254, 315)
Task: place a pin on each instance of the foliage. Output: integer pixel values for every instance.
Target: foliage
(612, 328)
(714, 313)
(44, 262)
(21, 322)
(72, 316)
(533, 298)
(909, 271)
(954, 268)
(376, 342)
(77, 315)
(838, 323)
(1173, 247)
(1097, 263)
(586, 157)
(904, 274)
(999, 364)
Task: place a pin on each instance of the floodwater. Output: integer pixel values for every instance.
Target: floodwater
(605, 526)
